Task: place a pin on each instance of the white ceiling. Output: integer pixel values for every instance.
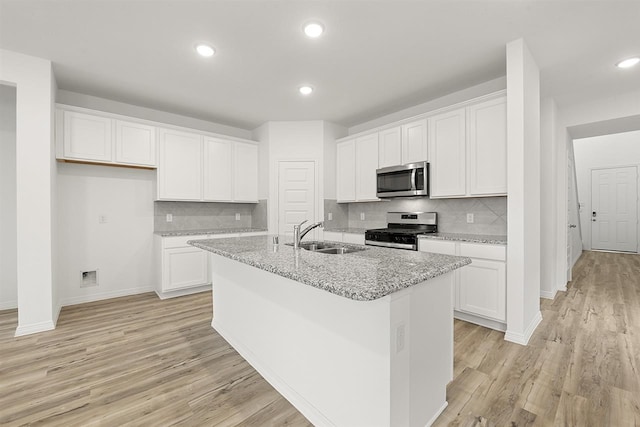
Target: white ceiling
(375, 57)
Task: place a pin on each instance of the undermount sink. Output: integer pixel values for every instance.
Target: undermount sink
(328, 248)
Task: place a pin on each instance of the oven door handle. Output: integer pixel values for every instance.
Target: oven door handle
(391, 245)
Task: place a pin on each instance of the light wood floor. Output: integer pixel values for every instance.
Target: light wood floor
(141, 361)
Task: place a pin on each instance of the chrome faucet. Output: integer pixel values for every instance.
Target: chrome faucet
(298, 235)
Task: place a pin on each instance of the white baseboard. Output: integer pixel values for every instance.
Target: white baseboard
(548, 294)
(524, 337)
(182, 292)
(477, 320)
(435, 417)
(8, 305)
(104, 295)
(34, 328)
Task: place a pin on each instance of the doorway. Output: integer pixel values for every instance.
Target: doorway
(614, 213)
(296, 195)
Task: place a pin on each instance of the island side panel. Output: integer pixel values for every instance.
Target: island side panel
(328, 355)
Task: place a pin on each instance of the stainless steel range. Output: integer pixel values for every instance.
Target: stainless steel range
(403, 229)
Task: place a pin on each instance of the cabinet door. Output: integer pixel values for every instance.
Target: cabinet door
(488, 148)
(366, 165)
(414, 142)
(390, 147)
(245, 173)
(218, 161)
(87, 137)
(346, 171)
(180, 166)
(447, 146)
(482, 289)
(184, 268)
(135, 143)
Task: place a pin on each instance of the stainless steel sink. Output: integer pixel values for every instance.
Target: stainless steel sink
(328, 248)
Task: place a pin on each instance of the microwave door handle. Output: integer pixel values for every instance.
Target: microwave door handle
(413, 179)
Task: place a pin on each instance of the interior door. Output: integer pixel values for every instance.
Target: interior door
(296, 195)
(614, 209)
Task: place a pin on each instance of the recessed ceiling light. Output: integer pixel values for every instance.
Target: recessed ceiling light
(313, 29)
(628, 63)
(205, 50)
(305, 90)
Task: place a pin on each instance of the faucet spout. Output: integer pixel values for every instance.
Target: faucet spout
(298, 234)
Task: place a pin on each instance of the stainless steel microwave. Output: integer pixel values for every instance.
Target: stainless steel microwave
(402, 181)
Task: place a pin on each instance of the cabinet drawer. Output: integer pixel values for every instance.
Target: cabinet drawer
(481, 250)
(437, 246)
(179, 241)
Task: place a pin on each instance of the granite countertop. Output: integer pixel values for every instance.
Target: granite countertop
(207, 231)
(364, 276)
(352, 230)
(470, 238)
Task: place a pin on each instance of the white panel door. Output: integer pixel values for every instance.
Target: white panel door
(414, 142)
(180, 166)
(346, 171)
(135, 143)
(245, 172)
(218, 162)
(482, 289)
(390, 147)
(296, 195)
(447, 146)
(614, 203)
(488, 148)
(87, 137)
(366, 165)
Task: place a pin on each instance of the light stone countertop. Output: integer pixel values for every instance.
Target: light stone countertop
(465, 237)
(207, 231)
(351, 230)
(364, 276)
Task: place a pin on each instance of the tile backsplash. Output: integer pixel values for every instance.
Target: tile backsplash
(197, 215)
(490, 213)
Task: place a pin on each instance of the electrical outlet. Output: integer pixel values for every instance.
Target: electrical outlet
(469, 218)
(237, 216)
(361, 216)
(330, 216)
(102, 219)
(169, 217)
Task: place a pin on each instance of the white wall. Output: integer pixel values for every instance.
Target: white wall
(8, 236)
(622, 149)
(33, 78)
(523, 203)
(331, 133)
(121, 248)
(548, 198)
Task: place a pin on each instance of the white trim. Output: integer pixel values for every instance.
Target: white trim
(523, 338)
(104, 295)
(300, 403)
(437, 414)
(34, 328)
(478, 320)
(183, 292)
(548, 294)
(9, 305)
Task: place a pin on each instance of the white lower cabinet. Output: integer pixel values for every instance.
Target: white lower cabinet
(184, 269)
(480, 291)
(339, 236)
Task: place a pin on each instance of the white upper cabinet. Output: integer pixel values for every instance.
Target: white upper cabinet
(135, 144)
(180, 165)
(245, 175)
(488, 148)
(468, 151)
(346, 171)
(390, 147)
(414, 142)
(87, 137)
(218, 160)
(447, 141)
(366, 165)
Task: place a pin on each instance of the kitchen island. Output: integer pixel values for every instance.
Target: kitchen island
(356, 339)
